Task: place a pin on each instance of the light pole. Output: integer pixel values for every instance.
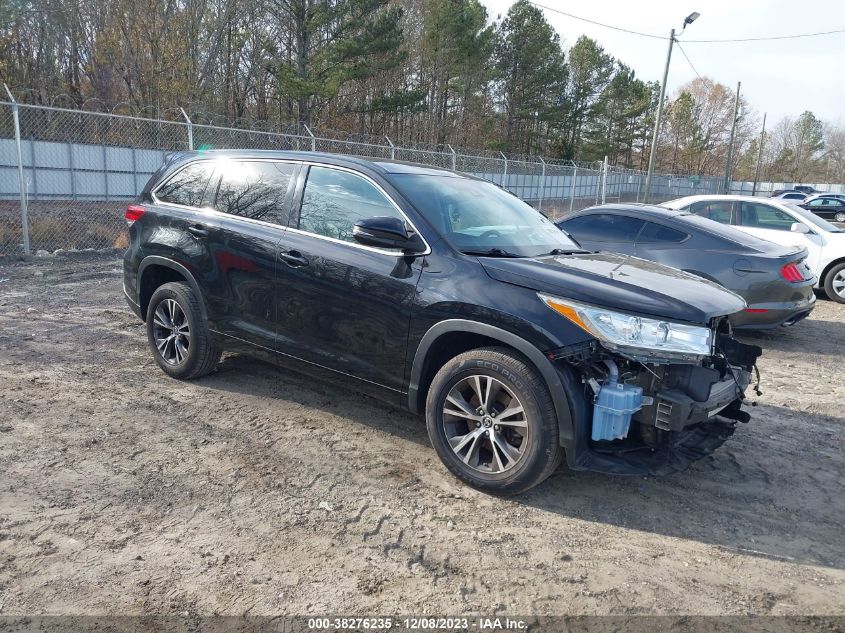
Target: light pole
(692, 17)
(759, 156)
(728, 165)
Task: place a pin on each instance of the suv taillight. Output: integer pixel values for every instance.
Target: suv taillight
(133, 212)
(791, 273)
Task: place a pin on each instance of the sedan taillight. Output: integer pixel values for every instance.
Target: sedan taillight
(133, 212)
(791, 273)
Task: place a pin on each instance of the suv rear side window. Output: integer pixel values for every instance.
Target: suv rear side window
(256, 190)
(653, 232)
(604, 227)
(335, 200)
(762, 216)
(717, 210)
(187, 186)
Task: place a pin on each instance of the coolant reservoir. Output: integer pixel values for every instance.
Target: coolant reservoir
(613, 408)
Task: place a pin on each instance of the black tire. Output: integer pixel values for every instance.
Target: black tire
(828, 283)
(201, 355)
(516, 377)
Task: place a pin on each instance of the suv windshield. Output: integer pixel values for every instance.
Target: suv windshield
(812, 218)
(479, 218)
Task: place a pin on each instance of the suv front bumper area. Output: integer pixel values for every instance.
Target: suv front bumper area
(672, 409)
(688, 410)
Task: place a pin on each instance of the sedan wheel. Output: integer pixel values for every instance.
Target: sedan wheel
(838, 283)
(834, 283)
(840, 216)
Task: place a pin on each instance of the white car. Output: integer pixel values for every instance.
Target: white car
(784, 223)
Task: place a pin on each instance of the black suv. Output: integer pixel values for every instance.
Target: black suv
(444, 294)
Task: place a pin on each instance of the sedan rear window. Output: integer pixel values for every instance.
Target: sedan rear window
(653, 232)
(604, 227)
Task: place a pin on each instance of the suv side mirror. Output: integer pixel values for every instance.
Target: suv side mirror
(799, 227)
(387, 232)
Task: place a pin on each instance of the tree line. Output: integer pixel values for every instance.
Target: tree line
(418, 71)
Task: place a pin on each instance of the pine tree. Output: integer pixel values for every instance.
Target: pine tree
(531, 72)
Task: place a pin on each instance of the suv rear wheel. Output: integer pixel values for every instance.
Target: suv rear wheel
(492, 422)
(177, 333)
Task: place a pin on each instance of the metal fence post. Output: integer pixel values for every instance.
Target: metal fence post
(32, 165)
(313, 139)
(542, 182)
(392, 147)
(572, 188)
(21, 177)
(454, 158)
(72, 175)
(105, 173)
(505, 173)
(190, 129)
(135, 189)
(604, 181)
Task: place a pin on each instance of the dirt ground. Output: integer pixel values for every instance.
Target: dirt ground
(254, 491)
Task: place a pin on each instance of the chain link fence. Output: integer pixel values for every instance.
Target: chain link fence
(67, 175)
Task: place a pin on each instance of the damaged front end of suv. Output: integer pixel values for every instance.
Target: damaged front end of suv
(659, 394)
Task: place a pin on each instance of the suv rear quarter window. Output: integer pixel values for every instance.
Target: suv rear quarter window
(187, 186)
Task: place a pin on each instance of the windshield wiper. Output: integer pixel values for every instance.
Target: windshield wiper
(561, 251)
(492, 252)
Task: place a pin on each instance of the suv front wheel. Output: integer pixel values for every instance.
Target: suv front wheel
(492, 421)
(178, 334)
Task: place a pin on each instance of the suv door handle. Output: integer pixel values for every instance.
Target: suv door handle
(198, 230)
(294, 259)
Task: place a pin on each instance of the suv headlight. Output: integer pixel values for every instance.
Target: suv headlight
(628, 332)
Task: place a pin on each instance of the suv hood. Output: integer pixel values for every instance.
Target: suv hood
(620, 282)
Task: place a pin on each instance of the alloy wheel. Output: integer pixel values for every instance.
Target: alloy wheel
(171, 331)
(485, 424)
(839, 217)
(838, 283)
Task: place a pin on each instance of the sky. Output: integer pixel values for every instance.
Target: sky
(780, 78)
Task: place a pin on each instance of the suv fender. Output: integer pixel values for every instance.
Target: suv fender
(561, 384)
(157, 260)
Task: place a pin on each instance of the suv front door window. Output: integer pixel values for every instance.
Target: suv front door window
(335, 200)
